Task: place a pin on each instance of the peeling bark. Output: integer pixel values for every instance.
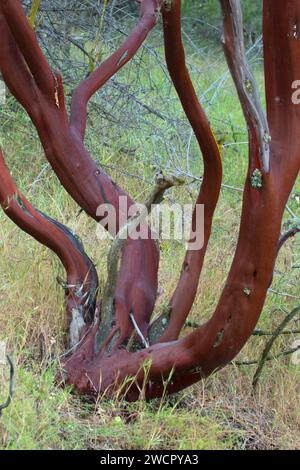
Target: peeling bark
(81, 287)
(233, 42)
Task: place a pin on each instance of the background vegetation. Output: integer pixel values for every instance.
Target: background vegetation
(136, 127)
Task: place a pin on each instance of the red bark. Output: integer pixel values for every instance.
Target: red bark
(184, 295)
(219, 340)
(110, 66)
(81, 177)
(274, 162)
(82, 279)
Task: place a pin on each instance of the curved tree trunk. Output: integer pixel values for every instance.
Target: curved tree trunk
(186, 290)
(40, 91)
(103, 360)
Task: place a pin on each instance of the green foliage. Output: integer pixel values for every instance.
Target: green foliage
(43, 417)
(217, 414)
(208, 11)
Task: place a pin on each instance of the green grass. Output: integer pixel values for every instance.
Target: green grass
(218, 414)
(44, 417)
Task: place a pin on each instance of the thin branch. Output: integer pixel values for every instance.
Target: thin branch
(270, 333)
(33, 12)
(284, 294)
(11, 386)
(288, 352)
(287, 235)
(290, 211)
(184, 295)
(190, 324)
(233, 42)
(270, 343)
(110, 66)
(144, 340)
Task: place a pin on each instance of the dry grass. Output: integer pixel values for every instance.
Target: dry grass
(221, 413)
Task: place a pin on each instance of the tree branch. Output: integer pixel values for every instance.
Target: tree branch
(222, 337)
(14, 70)
(233, 42)
(26, 39)
(270, 343)
(110, 66)
(169, 325)
(108, 328)
(82, 281)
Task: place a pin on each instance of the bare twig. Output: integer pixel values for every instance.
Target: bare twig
(284, 294)
(189, 324)
(270, 343)
(288, 352)
(270, 333)
(11, 386)
(287, 235)
(140, 334)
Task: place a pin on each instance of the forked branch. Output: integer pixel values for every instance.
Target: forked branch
(219, 340)
(273, 168)
(269, 345)
(89, 186)
(108, 68)
(109, 330)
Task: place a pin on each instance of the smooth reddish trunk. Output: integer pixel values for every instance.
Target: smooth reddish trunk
(186, 290)
(81, 177)
(170, 364)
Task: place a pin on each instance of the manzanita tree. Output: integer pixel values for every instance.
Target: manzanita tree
(113, 339)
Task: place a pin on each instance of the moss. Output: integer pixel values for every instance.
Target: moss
(249, 85)
(168, 5)
(257, 179)
(267, 138)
